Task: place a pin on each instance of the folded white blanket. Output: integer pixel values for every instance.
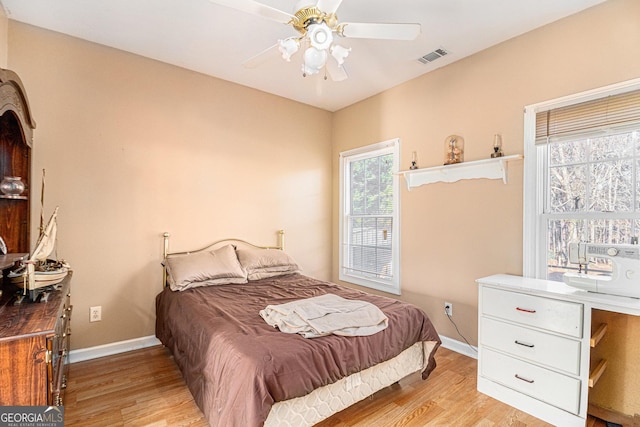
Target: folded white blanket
(324, 315)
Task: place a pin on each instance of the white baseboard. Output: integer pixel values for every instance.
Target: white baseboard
(82, 354)
(459, 347)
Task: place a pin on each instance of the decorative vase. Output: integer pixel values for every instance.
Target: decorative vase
(12, 186)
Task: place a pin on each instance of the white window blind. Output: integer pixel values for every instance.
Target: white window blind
(603, 114)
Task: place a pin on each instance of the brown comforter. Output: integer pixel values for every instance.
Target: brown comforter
(237, 366)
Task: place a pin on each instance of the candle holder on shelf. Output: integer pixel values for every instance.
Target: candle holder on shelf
(414, 161)
(497, 146)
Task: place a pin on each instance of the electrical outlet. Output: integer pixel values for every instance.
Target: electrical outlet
(448, 309)
(95, 313)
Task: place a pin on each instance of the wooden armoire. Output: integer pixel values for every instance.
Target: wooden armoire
(16, 137)
(34, 336)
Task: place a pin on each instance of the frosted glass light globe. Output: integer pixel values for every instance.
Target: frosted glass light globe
(288, 47)
(314, 60)
(339, 53)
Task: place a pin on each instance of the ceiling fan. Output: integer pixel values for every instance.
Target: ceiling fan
(318, 26)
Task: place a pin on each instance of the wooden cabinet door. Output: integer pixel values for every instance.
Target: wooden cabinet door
(23, 371)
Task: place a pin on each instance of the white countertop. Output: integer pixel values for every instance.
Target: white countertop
(618, 304)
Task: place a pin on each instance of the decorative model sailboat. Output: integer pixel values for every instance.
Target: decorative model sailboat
(39, 274)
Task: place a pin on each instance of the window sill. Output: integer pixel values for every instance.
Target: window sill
(487, 168)
(371, 284)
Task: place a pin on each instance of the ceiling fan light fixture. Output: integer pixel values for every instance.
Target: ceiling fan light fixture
(288, 47)
(339, 53)
(314, 61)
(316, 22)
(320, 36)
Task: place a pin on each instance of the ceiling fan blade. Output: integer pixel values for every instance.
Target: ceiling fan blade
(266, 55)
(255, 8)
(336, 71)
(328, 6)
(379, 31)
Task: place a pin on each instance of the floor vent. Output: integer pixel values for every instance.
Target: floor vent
(432, 56)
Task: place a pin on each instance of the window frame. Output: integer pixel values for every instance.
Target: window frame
(534, 262)
(392, 285)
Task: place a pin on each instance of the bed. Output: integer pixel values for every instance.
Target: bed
(243, 372)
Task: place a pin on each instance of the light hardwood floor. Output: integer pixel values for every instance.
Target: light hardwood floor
(145, 388)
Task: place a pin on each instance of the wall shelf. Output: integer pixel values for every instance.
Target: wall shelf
(487, 168)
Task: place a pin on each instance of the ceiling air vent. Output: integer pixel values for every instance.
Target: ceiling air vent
(432, 56)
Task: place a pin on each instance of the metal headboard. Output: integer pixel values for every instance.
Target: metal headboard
(166, 253)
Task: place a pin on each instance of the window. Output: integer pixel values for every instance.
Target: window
(582, 177)
(369, 226)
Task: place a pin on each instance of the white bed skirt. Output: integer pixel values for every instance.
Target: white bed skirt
(325, 401)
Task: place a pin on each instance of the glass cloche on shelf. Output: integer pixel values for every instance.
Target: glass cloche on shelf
(453, 149)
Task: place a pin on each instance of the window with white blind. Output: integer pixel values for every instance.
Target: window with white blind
(582, 177)
(369, 226)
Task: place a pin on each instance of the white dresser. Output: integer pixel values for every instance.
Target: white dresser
(534, 344)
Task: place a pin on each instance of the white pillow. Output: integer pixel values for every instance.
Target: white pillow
(263, 263)
(216, 267)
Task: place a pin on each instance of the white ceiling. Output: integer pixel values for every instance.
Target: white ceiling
(216, 40)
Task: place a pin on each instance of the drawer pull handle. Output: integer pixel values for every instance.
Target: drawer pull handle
(524, 379)
(524, 344)
(526, 310)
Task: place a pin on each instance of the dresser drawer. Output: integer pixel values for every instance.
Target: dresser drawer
(551, 350)
(553, 315)
(551, 387)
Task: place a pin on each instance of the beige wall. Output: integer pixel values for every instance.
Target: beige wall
(4, 31)
(455, 233)
(133, 147)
